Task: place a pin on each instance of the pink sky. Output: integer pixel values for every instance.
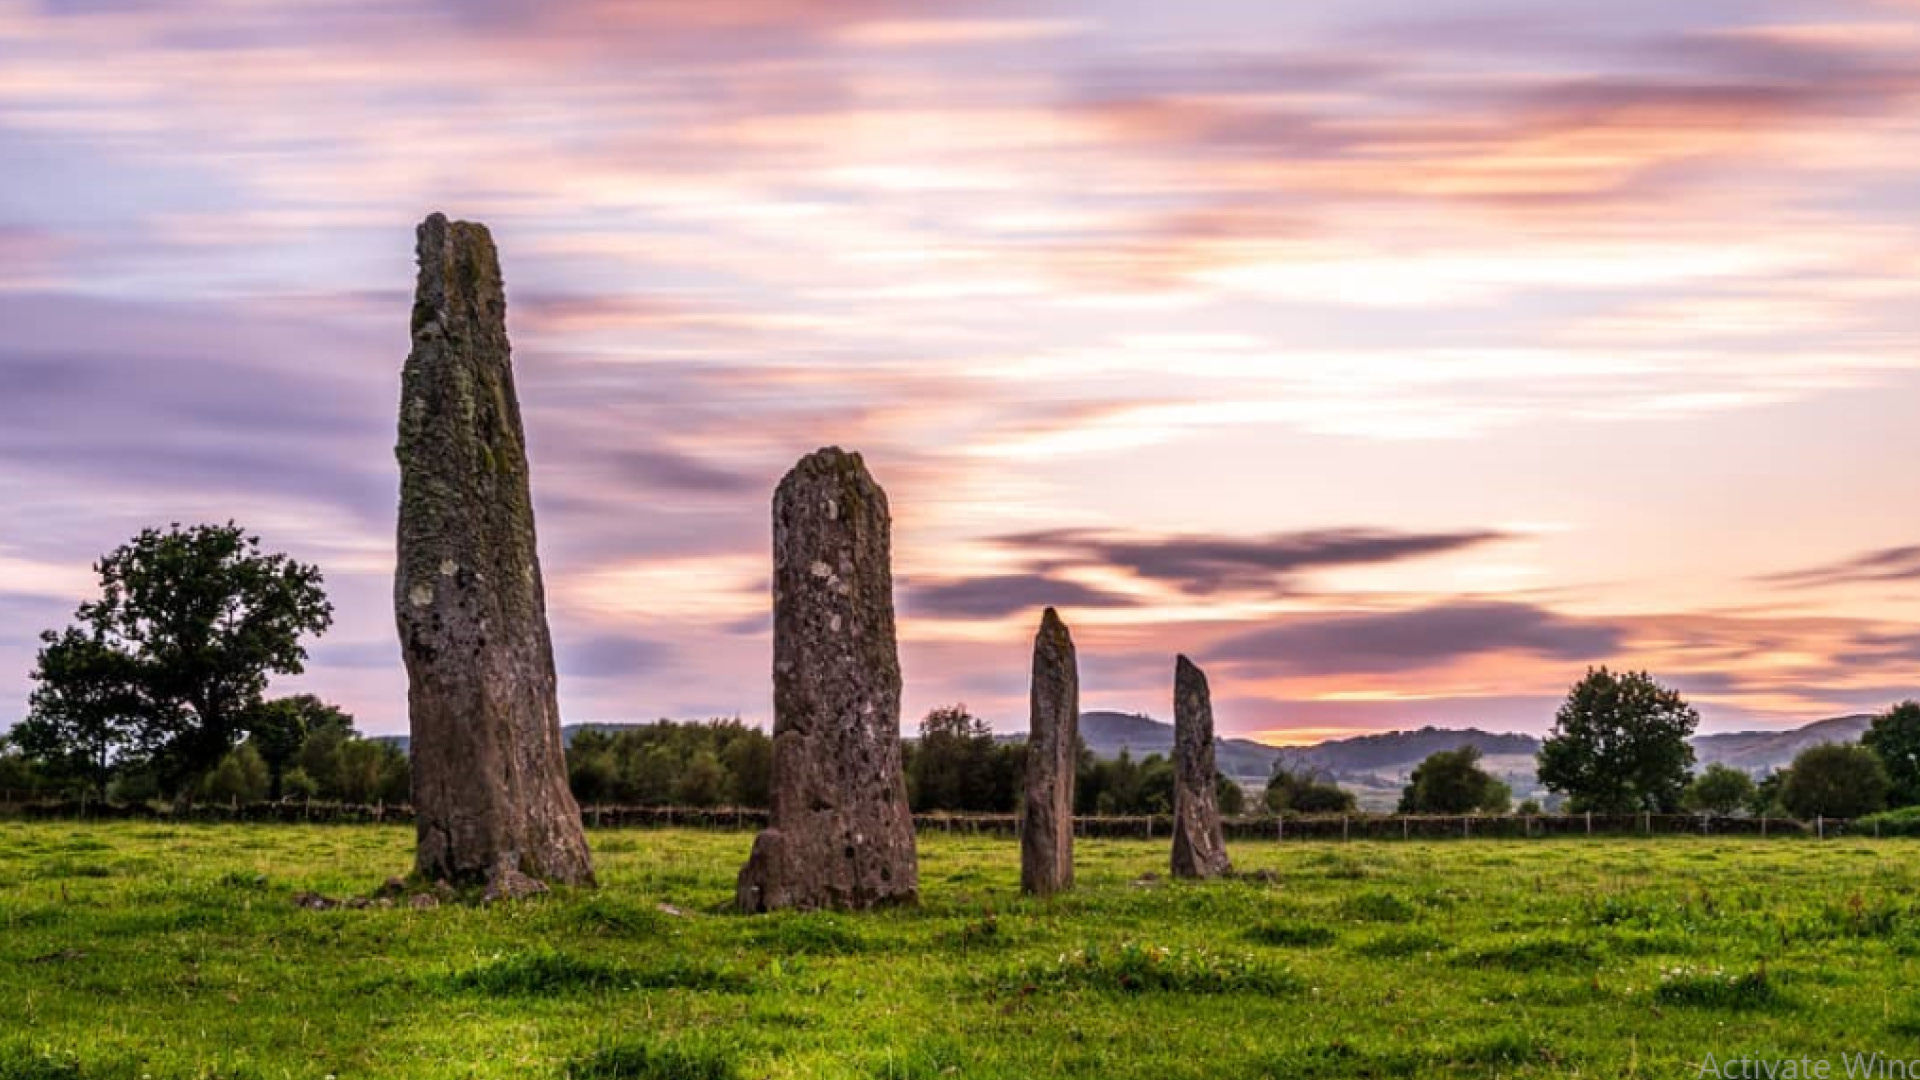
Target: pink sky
(1396, 360)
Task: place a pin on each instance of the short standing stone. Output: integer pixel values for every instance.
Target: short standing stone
(1199, 844)
(840, 834)
(1046, 829)
(489, 772)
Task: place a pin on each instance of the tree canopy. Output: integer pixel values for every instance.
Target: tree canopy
(1721, 789)
(1620, 744)
(1302, 791)
(1842, 780)
(168, 665)
(1895, 737)
(1452, 782)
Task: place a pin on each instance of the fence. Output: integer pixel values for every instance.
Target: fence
(1320, 827)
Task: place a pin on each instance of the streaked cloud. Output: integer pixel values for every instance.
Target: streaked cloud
(1130, 308)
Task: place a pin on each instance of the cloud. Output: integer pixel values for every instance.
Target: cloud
(1424, 637)
(1886, 564)
(997, 596)
(610, 656)
(669, 470)
(1202, 564)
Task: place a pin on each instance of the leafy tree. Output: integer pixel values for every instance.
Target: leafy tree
(370, 770)
(277, 729)
(1452, 782)
(19, 776)
(1843, 780)
(1721, 789)
(175, 654)
(241, 776)
(703, 781)
(1528, 806)
(1895, 736)
(1228, 795)
(956, 764)
(1123, 785)
(1619, 744)
(1766, 795)
(84, 716)
(664, 763)
(1302, 791)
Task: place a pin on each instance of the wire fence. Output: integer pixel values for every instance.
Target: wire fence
(1138, 827)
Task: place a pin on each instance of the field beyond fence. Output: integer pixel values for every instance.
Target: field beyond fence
(1132, 827)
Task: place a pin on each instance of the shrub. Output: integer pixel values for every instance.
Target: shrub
(1902, 822)
(1841, 780)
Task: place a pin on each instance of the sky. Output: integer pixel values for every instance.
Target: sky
(1395, 359)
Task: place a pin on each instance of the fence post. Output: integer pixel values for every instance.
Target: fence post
(1343, 828)
(1820, 826)
(1763, 825)
(1283, 827)
(1466, 827)
(1646, 821)
(1589, 823)
(1405, 830)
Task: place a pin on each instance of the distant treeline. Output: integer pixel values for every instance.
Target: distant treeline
(956, 765)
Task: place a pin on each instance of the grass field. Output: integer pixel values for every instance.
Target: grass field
(135, 950)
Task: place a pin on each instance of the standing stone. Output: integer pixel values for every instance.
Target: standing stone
(1046, 830)
(489, 773)
(840, 835)
(1199, 845)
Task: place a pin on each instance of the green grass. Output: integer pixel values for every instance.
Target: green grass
(130, 951)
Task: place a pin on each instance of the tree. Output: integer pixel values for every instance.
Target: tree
(1843, 780)
(84, 715)
(955, 764)
(241, 776)
(1228, 795)
(1721, 789)
(19, 776)
(1895, 736)
(1303, 791)
(278, 728)
(1452, 782)
(1619, 744)
(190, 624)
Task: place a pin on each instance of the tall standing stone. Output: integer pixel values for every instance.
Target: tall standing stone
(1046, 829)
(1199, 844)
(840, 835)
(489, 771)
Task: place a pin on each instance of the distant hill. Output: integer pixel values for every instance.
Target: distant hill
(1108, 733)
(1763, 751)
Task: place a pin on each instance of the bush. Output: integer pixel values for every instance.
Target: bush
(1842, 780)
(1304, 792)
(1721, 789)
(1452, 782)
(1902, 822)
